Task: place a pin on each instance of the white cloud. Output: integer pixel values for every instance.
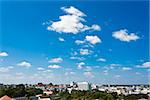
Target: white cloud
(56, 60)
(85, 51)
(79, 42)
(89, 41)
(61, 39)
(112, 66)
(123, 35)
(126, 68)
(40, 68)
(96, 27)
(71, 22)
(88, 74)
(24, 64)
(144, 65)
(68, 24)
(101, 59)
(93, 39)
(6, 69)
(80, 65)
(73, 11)
(54, 66)
(77, 58)
(3, 54)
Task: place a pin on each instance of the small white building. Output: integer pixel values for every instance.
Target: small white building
(84, 86)
(44, 99)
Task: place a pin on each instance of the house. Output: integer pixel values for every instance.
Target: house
(6, 98)
(48, 92)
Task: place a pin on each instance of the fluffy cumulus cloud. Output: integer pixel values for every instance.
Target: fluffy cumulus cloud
(88, 74)
(56, 60)
(89, 39)
(85, 51)
(126, 68)
(144, 65)
(93, 39)
(3, 54)
(54, 66)
(96, 27)
(123, 35)
(72, 22)
(6, 69)
(24, 64)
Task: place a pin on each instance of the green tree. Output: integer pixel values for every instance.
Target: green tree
(109, 97)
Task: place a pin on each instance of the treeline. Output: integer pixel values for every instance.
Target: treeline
(19, 91)
(98, 95)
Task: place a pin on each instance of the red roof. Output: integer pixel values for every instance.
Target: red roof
(5, 98)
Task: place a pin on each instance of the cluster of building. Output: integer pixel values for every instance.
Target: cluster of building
(50, 89)
(119, 89)
(126, 89)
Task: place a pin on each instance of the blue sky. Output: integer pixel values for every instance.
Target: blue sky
(104, 42)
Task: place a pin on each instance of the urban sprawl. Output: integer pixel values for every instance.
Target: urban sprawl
(74, 91)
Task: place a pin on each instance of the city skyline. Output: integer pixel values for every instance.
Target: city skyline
(103, 42)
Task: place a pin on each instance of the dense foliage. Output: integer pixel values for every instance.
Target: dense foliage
(97, 95)
(19, 91)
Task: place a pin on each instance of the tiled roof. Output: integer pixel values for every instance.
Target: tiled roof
(5, 98)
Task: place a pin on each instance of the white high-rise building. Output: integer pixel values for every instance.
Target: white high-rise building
(84, 86)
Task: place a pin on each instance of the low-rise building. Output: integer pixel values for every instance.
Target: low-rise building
(84, 86)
